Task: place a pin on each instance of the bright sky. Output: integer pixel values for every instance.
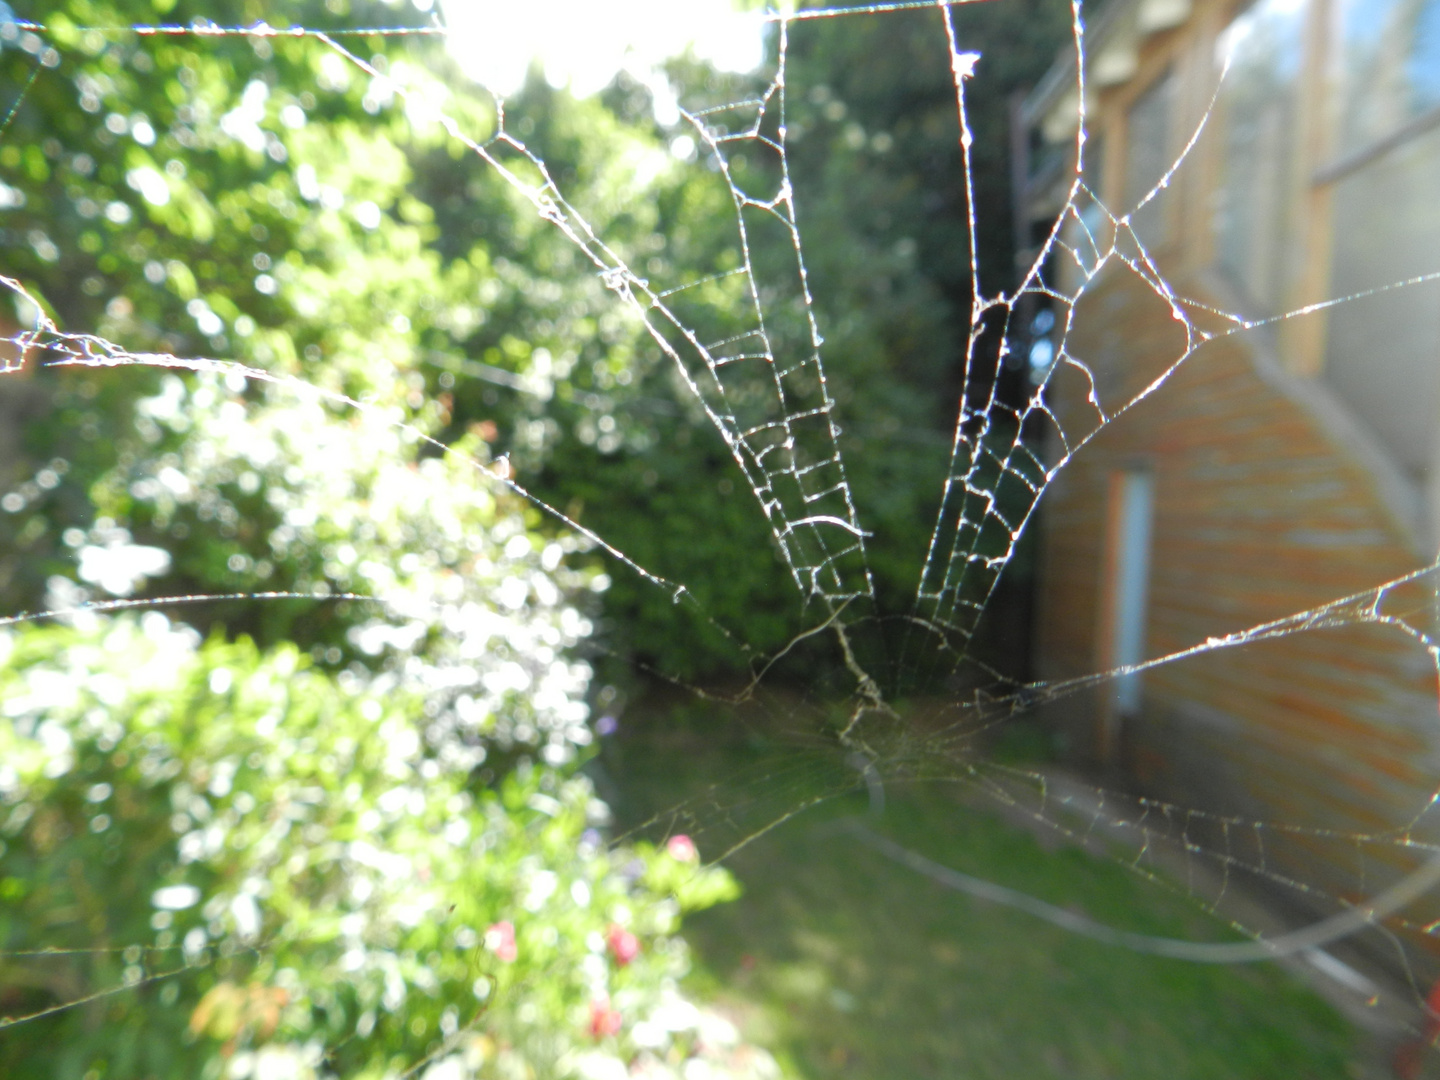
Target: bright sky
(584, 43)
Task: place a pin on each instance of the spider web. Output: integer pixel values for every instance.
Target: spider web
(759, 375)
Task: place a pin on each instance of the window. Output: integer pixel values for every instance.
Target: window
(1258, 112)
(1387, 68)
(1094, 178)
(1148, 156)
(1093, 233)
(1382, 353)
(1125, 597)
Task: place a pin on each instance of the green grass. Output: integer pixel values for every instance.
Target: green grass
(846, 964)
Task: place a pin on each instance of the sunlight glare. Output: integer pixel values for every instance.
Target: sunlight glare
(584, 44)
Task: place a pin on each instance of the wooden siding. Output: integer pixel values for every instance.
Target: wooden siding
(1260, 513)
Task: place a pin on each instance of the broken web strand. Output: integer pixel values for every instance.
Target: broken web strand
(20, 100)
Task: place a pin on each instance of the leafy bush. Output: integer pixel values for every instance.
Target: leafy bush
(263, 870)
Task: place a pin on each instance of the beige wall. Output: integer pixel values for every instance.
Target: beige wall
(1260, 513)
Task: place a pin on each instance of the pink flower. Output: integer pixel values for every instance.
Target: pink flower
(624, 945)
(604, 1020)
(681, 848)
(500, 939)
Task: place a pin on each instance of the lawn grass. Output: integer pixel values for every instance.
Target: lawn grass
(846, 964)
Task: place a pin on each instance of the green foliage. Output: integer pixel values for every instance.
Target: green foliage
(191, 201)
(254, 861)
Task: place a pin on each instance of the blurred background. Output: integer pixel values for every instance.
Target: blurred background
(421, 656)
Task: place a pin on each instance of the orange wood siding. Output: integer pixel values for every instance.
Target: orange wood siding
(1259, 514)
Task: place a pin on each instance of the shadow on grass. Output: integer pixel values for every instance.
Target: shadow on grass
(849, 965)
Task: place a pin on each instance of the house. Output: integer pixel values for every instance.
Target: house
(1251, 452)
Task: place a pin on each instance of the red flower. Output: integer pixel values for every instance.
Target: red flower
(604, 1020)
(500, 939)
(624, 945)
(682, 848)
